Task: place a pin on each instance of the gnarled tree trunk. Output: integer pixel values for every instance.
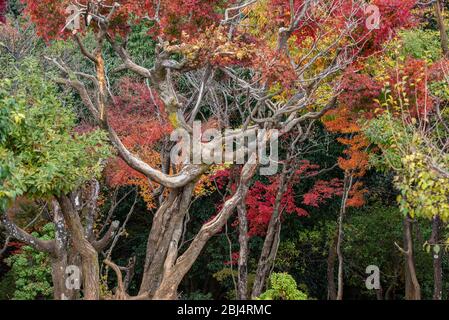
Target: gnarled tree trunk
(89, 256)
(59, 261)
(242, 287)
(175, 268)
(412, 287)
(168, 219)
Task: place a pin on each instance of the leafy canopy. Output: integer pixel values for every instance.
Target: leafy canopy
(40, 152)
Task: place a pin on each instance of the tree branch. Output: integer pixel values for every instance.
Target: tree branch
(18, 233)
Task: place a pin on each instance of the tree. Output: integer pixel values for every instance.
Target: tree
(280, 74)
(409, 145)
(44, 159)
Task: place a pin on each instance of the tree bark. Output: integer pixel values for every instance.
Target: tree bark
(18, 233)
(412, 287)
(59, 261)
(340, 280)
(89, 257)
(437, 260)
(441, 28)
(331, 258)
(58, 274)
(169, 218)
(348, 181)
(242, 288)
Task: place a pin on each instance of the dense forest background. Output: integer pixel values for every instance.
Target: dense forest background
(342, 199)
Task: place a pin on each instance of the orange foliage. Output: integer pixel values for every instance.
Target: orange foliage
(355, 162)
(141, 122)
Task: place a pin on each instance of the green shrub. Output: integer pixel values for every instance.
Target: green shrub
(283, 287)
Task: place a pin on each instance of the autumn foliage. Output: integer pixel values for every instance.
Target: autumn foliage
(303, 68)
(140, 119)
(3, 6)
(262, 197)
